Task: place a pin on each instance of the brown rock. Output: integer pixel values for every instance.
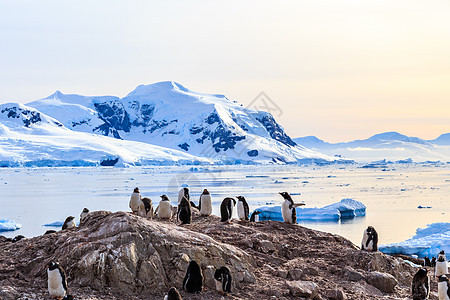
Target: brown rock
(305, 289)
(382, 281)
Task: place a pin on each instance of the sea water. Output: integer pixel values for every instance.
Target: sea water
(33, 197)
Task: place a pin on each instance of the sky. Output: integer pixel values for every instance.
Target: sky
(339, 70)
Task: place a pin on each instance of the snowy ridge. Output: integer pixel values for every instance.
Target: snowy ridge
(168, 114)
(390, 146)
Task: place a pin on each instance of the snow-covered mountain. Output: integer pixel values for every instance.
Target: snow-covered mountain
(169, 115)
(31, 138)
(391, 146)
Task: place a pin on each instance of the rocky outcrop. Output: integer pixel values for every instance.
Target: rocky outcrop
(123, 256)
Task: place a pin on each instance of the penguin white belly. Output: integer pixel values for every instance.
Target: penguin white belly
(71, 224)
(364, 241)
(180, 195)
(206, 207)
(286, 212)
(166, 297)
(257, 218)
(442, 290)
(218, 285)
(83, 215)
(241, 211)
(55, 286)
(165, 210)
(441, 268)
(135, 201)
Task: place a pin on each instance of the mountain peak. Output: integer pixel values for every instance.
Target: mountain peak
(158, 87)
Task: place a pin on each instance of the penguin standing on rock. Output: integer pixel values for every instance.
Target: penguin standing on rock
(288, 210)
(370, 240)
(135, 201)
(193, 281)
(421, 285)
(83, 214)
(57, 283)
(69, 223)
(164, 209)
(184, 213)
(205, 203)
(173, 294)
(443, 288)
(441, 265)
(226, 209)
(255, 216)
(146, 208)
(184, 192)
(223, 280)
(242, 209)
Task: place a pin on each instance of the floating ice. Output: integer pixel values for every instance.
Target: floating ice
(428, 241)
(8, 225)
(346, 208)
(55, 224)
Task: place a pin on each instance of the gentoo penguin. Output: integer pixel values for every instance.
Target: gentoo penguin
(223, 276)
(57, 284)
(49, 231)
(441, 265)
(226, 209)
(18, 238)
(69, 223)
(205, 203)
(242, 209)
(255, 216)
(146, 208)
(83, 214)
(421, 285)
(288, 210)
(193, 281)
(426, 261)
(173, 294)
(164, 209)
(184, 192)
(370, 239)
(184, 211)
(135, 201)
(433, 262)
(443, 288)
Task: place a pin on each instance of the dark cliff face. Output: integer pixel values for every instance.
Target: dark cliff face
(275, 130)
(28, 117)
(115, 116)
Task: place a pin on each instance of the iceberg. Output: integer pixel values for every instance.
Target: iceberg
(55, 224)
(428, 241)
(345, 209)
(8, 225)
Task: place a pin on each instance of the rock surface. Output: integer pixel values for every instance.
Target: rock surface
(122, 256)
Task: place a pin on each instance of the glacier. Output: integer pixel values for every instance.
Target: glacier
(8, 225)
(345, 209)
(428, 241)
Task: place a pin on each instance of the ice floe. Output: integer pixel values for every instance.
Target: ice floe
(8, 225)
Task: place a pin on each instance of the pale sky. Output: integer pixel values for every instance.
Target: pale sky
(339, 70)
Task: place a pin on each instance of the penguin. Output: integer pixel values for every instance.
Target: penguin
(164, 209)
(49, 231)
(441, 265)
(433, 262)
(83, 214)
(421, 285)
(255, 216)
(223, 276)
(205, 203)
(226, 209)
(426, 261)
(184, 192)
(242, 209)
(443, 288)
(288, 210)
(135, 201)
(173, 294)
(146, 208)
(184, 211)
(18, 238)
(69, 223)
(57, 283)
(193, 281)
(370, 240)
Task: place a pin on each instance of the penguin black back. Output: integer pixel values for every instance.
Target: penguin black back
(67, 222)
(193, 281)
(226, 209)
(173, 294)
(420, 285)
(184, 211)
(253, 216)
(223, 274)
(147, 204)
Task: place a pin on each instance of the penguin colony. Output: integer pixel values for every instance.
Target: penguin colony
(193, 280)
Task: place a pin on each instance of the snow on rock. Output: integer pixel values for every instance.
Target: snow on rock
(428, 241)
(346, 208)
(8, 225)
(168, 114)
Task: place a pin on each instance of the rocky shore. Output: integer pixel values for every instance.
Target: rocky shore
(123, 256)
